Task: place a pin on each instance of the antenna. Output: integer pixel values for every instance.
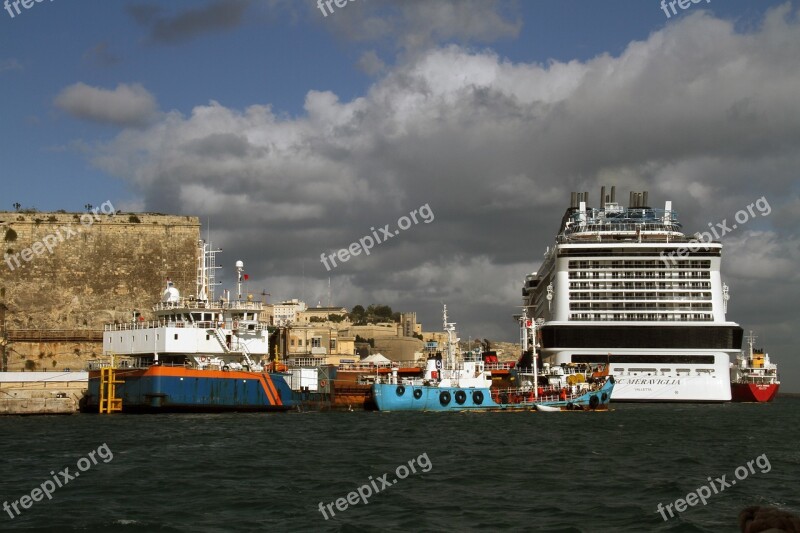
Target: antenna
(329, 291)
(239, 270)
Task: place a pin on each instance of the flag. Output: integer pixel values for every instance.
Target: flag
(246, 277)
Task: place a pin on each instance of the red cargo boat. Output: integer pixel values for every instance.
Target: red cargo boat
(753, 377)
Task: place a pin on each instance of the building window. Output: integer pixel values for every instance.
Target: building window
(333, 344)
(316, 342)
(292, 342)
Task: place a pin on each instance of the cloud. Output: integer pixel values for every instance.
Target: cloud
(697, 113)
(9, 64)
(215, 16)
(371, 64)
(416, 24)
(127, 105)
(100, 54)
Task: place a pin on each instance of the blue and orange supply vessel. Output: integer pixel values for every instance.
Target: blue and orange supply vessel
(197, 355)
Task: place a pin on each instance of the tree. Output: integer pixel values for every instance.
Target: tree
(357, 315)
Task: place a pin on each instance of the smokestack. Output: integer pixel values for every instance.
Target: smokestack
(630, 199)
(613, 193)
(573, 199)
(586, 198)
(644, 199)
(603, 197)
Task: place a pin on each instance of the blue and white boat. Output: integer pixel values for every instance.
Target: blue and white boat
(462, 383)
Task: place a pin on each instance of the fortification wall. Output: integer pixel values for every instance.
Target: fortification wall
(78, 271)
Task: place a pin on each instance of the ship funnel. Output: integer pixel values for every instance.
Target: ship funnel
(644, 199)
(613, 193)
(603, 197)
(631, 200)
(573, 199)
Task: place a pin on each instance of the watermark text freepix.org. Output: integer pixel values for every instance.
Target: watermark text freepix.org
(718, 485)
(365, 491)
(683, 4)
(339, 3)
(367, 242)
(27, 4)
(59, 480)
(50, 240)
(741, 217)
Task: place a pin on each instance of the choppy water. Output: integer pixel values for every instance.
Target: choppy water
(487, 471)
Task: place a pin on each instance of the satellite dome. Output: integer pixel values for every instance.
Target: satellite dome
(239, 264)
(171, 294)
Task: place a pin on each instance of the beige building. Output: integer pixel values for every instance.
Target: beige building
(283, 313)
(317, 314)
(408, 324)
(314, 344)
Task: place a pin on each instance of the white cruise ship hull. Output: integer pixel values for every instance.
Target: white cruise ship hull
(670, 388)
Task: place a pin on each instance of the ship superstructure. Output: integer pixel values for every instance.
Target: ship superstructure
(625, 286)
(199, 354)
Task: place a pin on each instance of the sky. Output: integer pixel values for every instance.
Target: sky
(292, 133)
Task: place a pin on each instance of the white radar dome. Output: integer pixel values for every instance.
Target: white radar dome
(171, 295)
(239, 264)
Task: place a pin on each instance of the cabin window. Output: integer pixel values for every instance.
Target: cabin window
(176, 336)
(208, 337)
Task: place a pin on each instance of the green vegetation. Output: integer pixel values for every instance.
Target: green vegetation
(133, 219)
(11, 235)
(362, 340)
(372, 315)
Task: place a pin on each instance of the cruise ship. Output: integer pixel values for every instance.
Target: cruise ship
(626, 287)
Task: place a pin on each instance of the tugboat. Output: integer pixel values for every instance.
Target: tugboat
(753, 377)
(198, 355)
(463, 384)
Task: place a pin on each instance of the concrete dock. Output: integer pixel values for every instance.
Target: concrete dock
(41, 393)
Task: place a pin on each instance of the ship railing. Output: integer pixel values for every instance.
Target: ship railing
(526, 395)
(374, 366)
(243, 305)
(189, 303)
(144, 324)
(507, 365)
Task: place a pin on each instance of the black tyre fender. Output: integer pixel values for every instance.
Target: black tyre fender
(400, 390)
(477, 397)
(417, 393)
(444, 398)
(461, 397)
(604, 397)
(594, 401)
(503, 397)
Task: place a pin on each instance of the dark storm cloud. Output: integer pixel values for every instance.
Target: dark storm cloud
(218, 15)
